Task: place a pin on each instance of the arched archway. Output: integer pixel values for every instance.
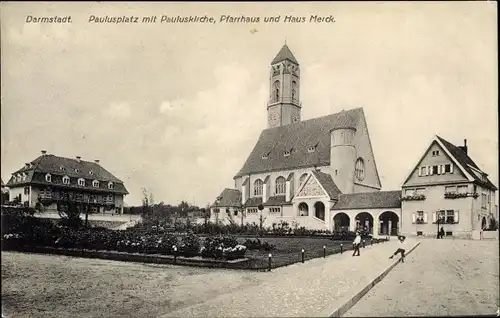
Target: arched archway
(484, 223)
(364, 221)
(389, 223)
(341, 221)
(319, 210)
(303, 209)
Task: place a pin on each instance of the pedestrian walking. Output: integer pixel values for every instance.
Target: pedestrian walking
(441, 232)
(402, 248)
(356, 244)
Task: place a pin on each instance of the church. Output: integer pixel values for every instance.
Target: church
(318, 173)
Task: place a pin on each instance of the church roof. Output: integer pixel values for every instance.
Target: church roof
(228, 198)
(298, 138)
(328, 184)
(276, 200)
(285, 54)
(466, 162)
(369, 200)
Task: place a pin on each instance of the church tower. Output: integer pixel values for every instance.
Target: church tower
(284, 104)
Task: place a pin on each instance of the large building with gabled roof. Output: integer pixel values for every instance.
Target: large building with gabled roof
(447, 189)
(298, 169)
(50, 180)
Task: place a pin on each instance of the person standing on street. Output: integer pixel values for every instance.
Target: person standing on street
(356, 244)
(402, 248)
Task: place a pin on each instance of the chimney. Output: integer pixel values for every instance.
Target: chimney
(464, 147)
(96, 161)
(78, 158)
(44, 152)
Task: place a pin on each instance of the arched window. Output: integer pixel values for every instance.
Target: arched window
(280, 185)
(258, 186)
(48, 178)
(276, 91)
(303, 209)
(302, 178)
(110, 185)
(65, 180)
(81, 182)
(294, 90)
(95, 184)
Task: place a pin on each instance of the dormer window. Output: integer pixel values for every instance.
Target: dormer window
(110, 185)
(287, 153)
(312, 148)
(81, 182)
(95, 184)
(65, 180)
(76, 170)
(265, 155)
(48, 177)
(61, 168)
(91, 172)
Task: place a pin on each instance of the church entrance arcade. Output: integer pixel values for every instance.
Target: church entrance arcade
(389, 223)
(341, 221)
(364, 221)
(319, 210)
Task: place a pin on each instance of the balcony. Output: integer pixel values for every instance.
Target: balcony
(285, 100)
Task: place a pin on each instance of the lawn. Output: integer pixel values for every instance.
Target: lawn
(289, 250)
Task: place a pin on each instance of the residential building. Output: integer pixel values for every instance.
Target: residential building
(446, 186)
(49, 180)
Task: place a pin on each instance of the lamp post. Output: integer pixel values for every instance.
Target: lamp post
(440, 220)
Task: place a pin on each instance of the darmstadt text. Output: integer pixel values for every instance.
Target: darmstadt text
(53, 19)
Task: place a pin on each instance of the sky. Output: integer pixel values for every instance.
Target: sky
(177, 108)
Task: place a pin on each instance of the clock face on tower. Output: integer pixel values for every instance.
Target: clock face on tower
(273, 118)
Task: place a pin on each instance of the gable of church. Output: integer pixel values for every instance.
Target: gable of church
(364, 150)
(311, 188)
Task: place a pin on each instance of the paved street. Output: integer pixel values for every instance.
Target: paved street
(441, 277)
(300, 290)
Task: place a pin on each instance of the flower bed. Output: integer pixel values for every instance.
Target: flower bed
(30, 231)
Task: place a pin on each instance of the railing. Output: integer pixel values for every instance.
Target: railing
(285, 100)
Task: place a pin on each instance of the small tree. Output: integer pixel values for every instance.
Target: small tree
(69, 213)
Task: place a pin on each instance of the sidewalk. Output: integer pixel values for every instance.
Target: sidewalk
(311, 289)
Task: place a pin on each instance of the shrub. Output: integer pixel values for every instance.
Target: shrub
(189, 245)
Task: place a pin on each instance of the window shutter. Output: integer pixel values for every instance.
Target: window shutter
(425, 217)
(419, 171)
(456, 216)
(413, 218)
(433, 217)
(430, 170)
(451, 167)
(439, 169)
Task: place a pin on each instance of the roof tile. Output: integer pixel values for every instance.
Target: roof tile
(369, 200)
(299, 136)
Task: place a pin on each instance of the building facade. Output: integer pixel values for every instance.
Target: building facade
(299, 168)
(447, 189)
(51, 180)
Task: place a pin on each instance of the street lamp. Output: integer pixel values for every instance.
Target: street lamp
(440, 220)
